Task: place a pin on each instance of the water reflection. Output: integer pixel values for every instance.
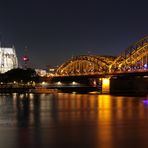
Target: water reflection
(72, 120)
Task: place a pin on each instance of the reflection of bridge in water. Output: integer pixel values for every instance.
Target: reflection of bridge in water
(132, 63)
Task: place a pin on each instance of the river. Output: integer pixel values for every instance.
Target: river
(65, 120)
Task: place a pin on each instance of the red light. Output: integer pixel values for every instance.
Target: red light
(25, 58)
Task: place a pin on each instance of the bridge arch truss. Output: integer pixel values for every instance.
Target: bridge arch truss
(134, 58)
(85, 64)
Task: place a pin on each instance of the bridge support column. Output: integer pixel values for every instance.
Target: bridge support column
(105, 85)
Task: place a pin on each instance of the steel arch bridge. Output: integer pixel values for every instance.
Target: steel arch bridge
(85, 64)
(134, 58)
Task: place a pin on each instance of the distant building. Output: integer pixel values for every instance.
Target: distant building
(45, 73)
(41, 72)
(52, 70)
(8, 59)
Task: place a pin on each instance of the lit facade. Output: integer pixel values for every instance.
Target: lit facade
(41, 72)
(8, 59)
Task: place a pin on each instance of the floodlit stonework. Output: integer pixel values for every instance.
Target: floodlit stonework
(8, 59)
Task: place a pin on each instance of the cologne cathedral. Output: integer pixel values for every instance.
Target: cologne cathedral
(8, 59)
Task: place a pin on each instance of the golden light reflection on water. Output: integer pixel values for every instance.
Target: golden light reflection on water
(101, 120)
(77, 102)
(115, 118)
(105, 108)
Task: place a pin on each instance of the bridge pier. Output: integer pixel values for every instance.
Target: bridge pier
(105, 85)
(136, 85)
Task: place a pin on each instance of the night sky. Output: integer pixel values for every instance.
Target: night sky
(55, 30)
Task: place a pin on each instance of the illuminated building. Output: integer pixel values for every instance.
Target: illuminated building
(8, 59)
(41, 72)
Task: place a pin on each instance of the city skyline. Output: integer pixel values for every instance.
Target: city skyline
(54, 31)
